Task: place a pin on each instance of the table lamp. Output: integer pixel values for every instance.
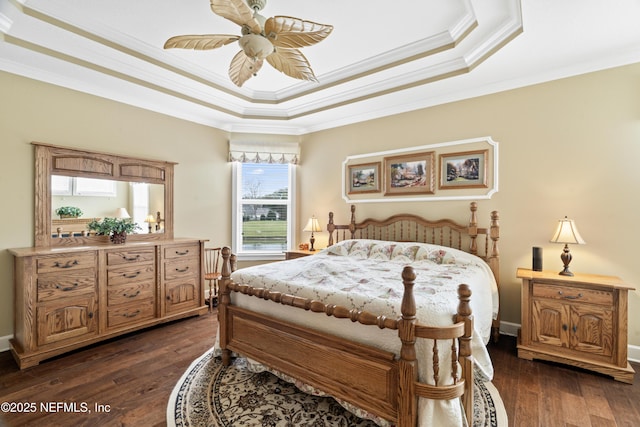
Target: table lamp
(313, 225)
(150, 219)
(122, 213)
(566, 233)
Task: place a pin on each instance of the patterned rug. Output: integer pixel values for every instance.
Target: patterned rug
(210, 394)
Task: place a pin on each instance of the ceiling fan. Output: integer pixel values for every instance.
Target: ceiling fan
(276, 39)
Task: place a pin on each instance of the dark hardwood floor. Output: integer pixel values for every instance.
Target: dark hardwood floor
(546, 394)
(135, 374)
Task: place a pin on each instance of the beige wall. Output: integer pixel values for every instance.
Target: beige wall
(566, 148)
(569, 147)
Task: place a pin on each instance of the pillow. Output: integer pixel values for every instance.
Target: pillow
(397, 251)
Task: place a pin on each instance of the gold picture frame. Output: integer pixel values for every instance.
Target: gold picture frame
(410, 174)
(363, 178)
(463, 170)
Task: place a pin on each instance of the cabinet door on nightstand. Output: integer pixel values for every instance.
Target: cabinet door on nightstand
(592, 329)
(550, 323)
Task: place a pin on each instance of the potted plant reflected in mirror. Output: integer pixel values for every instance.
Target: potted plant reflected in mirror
(68, 212)
(115, 228)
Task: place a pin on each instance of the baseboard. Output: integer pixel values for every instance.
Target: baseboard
(511, 329)
(633, 353)
(4, 343)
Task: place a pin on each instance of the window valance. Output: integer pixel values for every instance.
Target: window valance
(264, 152)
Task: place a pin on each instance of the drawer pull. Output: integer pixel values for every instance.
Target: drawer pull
(126, 295)
(183, 270)
(130, 315)
(569, 296)
(135, 258)
(68, 288)
(68, 264)
(182, 253)
(131, 276)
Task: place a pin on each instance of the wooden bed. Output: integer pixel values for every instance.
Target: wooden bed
(379, 382)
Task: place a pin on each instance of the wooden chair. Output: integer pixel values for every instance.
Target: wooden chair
(212, 274)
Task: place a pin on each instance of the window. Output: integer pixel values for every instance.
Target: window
(263, 220)
(140, 203)
(68, 186)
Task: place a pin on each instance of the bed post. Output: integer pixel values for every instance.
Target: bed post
(331, 228)
(407, 369)
(223, 301)
(494, 264)
(465, 356)
(352, 222)
(473, 229)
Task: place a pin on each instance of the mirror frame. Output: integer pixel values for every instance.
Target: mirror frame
(56, 160)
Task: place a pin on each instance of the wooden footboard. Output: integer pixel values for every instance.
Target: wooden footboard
(368, 378)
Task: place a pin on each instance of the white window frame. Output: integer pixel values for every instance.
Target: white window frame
(78, 186)
(236, 220)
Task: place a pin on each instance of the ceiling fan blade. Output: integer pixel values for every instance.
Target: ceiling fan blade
(242, 68)
(237, 11)
(289, 32)
(292, 63)
(200, 42)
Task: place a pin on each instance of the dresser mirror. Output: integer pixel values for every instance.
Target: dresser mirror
(100, 185)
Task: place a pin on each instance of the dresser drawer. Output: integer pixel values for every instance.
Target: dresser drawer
(569, 293)
(52, 286)
(65, 262)
(130, 274)
(131, 256)
(130, 292)
(125, 314)
(182, 251)
(180, 269)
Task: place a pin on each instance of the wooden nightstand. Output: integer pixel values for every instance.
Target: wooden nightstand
(578, 320)
(298, 254)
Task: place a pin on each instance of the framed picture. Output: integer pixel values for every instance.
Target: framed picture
(409, 174)
(463, 170)
(364, 178)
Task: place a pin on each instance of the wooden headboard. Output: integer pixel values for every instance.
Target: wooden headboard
(480, 241)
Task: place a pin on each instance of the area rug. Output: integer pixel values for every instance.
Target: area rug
(210, 394)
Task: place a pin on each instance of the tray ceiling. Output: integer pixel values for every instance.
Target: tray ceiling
(382, 57)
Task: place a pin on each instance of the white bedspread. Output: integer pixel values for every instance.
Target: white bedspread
(366, 275)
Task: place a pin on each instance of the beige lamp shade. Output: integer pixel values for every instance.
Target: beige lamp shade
(313, 225)
(567, 232)
(150, 218)
(122, 213)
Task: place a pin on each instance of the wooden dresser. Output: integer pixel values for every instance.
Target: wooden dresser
(70, 297)
(578, 320)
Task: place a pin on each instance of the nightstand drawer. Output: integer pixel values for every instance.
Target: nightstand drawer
(568, 293)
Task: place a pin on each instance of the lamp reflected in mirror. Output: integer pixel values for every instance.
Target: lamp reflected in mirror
(150, 219)
(121, 213)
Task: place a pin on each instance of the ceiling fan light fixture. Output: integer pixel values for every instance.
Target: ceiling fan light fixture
(256, 46)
